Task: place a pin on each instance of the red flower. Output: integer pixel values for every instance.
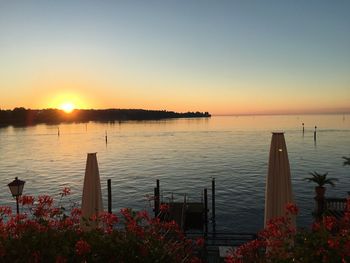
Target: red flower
(329, 222)
(126, 212)
(76, 212)
(164, 208)
(333, 243)
(5, 210)
(55, 211)
(45, 200)
(200, 242)
(82, 247)
(108, 218)
(66, 223)
(143, 215)
(56, 222)
(94, 218)
(26, 200)
(65, 191)
(292, 209)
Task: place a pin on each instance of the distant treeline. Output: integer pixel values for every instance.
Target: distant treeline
(22, 116)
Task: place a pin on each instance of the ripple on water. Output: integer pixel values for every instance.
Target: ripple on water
(184, 155)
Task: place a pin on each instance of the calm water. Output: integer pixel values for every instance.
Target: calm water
(184, 154)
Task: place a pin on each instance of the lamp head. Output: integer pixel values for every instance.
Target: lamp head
(16, 187)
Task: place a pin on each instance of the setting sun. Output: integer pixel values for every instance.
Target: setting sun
(67, 107)
(67, 101)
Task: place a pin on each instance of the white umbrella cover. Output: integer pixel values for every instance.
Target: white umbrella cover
(278, 190)
(92, 197)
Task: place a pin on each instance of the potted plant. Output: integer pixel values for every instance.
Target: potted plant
(320, 180)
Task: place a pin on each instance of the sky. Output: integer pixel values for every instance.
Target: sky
(225, 57)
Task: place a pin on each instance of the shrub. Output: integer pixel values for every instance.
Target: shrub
(326, 241)
(48, 233)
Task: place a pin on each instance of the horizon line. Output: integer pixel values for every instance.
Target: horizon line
(282, 113)
(307, 112)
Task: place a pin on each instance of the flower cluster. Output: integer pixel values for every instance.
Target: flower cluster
(328, 240)
(48, 233)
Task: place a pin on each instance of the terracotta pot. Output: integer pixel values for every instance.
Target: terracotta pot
(320, 190)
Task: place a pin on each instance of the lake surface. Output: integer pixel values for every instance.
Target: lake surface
(185, 154)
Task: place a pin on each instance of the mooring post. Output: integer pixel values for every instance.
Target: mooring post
(106, 137)
(315, 133)
(205, 212)
(303, 129)
(58, 131)
(109, 187)
(156, 199)
(213, 203)
(155, 202)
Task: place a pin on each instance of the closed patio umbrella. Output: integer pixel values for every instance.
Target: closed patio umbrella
(92, 197)
(278, 191)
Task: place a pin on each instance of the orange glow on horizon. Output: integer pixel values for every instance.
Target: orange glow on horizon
(67, 107)
(67, 101)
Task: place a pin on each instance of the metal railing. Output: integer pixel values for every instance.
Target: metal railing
(338, 204)
(335, 207)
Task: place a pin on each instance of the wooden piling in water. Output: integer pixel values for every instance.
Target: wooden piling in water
(303, 129)
(109, 187)
(205, 212)
(213, 204)
(156, 199)
(315, 133)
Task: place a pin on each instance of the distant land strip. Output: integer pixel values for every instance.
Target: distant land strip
(26, 117)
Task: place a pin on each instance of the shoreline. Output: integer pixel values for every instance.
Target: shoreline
(22, 117)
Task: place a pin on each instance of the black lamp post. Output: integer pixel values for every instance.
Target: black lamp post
(16, 188)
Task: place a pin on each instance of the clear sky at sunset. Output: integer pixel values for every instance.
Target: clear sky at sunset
(225, 57)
